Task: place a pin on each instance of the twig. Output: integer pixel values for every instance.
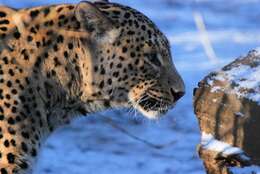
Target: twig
(124, 131)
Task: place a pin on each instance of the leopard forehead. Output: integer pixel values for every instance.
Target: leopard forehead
(134, 25)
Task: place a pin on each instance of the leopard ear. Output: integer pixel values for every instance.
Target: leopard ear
(95, 22)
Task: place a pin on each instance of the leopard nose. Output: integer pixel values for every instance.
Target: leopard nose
(176, 95)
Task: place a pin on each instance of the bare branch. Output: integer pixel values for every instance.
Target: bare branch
(112, 123)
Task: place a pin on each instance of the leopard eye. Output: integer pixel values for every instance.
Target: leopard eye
(153, 58)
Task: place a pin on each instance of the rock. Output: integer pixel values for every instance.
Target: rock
(227, 105)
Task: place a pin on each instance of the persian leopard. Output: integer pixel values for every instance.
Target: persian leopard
(60, 61)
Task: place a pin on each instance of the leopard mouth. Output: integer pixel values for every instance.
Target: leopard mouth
(151, 107)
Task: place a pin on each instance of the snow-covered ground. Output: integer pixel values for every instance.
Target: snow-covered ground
(93, 146)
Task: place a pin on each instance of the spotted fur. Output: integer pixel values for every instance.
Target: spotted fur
(60, 61)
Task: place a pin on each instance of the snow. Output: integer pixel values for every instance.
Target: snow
(208, 142)
(91, 145)
(244, 78)
(239, 114)
(257, 51)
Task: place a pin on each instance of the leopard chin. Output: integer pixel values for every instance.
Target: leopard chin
(151, 114)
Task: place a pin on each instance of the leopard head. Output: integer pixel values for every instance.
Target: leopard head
(132, 64)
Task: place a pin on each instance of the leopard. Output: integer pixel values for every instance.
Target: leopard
(62, 61)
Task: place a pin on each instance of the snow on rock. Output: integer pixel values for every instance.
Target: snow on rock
(239, 114)
(257, 51)
(243, 79)
(208, 142)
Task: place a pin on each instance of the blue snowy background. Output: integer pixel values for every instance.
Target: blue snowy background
(93, 145)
